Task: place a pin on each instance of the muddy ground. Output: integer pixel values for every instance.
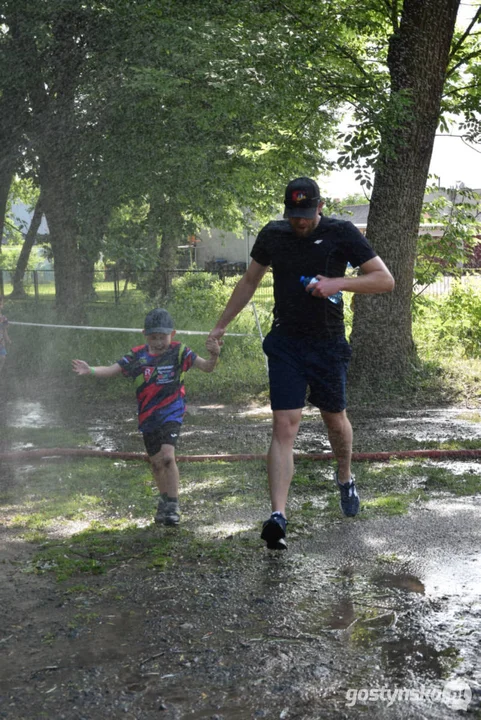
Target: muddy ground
(376, 617)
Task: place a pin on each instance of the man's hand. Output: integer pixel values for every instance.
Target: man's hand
(216, 334)
(324, 287)
(80, 367)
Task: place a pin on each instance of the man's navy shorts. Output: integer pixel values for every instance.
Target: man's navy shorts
(166, 434)
(296, 364)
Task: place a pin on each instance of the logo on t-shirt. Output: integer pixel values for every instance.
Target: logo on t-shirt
(165, 375)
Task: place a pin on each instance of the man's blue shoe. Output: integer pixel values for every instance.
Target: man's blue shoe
(274, 532)
(350, 501)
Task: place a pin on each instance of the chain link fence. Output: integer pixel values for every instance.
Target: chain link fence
(113, 286)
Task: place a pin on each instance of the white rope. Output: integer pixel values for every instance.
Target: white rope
(131, 330)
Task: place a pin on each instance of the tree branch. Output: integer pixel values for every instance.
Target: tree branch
(463, 61)
(337, 47)
(466, 33)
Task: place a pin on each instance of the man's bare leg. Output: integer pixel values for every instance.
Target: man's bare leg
(280, 461)
(339, 432)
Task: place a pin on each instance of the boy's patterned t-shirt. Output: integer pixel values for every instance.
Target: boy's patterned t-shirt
(159, 383)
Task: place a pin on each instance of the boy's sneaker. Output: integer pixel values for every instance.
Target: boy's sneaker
(274, 532)
(350, 501)
(167, 512)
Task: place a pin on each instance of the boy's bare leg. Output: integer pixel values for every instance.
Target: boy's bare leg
(2, 362)
(166, 475)
(280, 461)
(165, 471)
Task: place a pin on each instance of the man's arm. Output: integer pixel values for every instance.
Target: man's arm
(374, 278)
(241, 295)
(106, 371)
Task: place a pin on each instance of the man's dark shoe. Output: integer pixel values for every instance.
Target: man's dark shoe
(274, 532)
(167, 512)
(350, 501)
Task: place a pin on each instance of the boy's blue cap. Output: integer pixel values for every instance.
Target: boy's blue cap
(158, 321)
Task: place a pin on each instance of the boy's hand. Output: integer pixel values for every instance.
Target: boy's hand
(212, 345)
(81, 367)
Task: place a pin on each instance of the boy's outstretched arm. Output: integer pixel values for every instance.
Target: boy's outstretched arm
(213, 347)
(106, 371)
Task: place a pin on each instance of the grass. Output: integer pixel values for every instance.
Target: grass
(446, 332)
(240, 374)
(90, 515)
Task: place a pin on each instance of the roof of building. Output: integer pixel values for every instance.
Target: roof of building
(358, 214)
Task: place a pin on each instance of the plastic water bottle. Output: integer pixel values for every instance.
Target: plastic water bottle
(336, 298)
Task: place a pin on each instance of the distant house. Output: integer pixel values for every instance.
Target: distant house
(358, 215)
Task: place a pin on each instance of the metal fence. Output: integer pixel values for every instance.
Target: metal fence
(113, 286)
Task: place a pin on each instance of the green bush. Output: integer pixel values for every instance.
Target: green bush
(450, 325)
(445, 329)
(195, 306)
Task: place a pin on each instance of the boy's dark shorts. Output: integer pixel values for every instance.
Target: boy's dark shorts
(166, 434)
(298, 363)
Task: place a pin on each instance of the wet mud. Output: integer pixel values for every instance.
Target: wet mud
(375, 618)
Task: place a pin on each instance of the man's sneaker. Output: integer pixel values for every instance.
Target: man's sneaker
(350, 501)
(167, 512)
(274, 532)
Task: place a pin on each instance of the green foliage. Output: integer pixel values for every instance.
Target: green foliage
(355, 199)
(457, 214)
(9, 258)
(449, 325)
(198, 302)
(197, 298)
(360, 145)
(22, 190)
(124, 242)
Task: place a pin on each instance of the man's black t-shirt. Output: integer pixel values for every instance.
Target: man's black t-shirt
(326, 252)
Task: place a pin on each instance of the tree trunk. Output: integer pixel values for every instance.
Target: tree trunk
(13, 120)
(6, 177)
(161, 281)
(87, 277)
(383, 348)
(22, 262)
(60, 214)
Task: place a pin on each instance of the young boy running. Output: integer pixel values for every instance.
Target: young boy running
(157, 369)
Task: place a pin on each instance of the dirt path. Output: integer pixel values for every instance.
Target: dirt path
(375, 618)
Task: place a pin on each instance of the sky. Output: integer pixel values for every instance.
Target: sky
(452, 160)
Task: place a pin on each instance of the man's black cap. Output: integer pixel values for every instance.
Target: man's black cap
(158, 321)
(302, 198)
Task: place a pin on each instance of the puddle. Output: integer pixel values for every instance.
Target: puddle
(402, 581)
(22, 414)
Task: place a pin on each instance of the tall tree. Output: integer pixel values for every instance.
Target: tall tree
(418, 58)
